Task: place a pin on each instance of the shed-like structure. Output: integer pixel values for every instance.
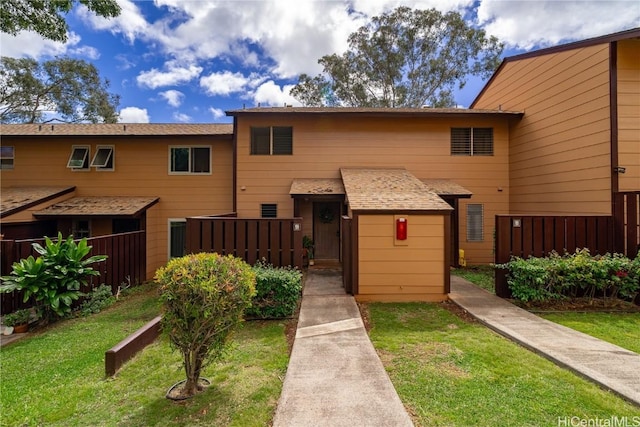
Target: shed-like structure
(386, 266)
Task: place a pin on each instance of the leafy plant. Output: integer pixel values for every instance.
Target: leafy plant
(204, 297)
(53, 279)
(278, 290)
(307, 243)
(99, 299)
(573, 275)
(18, 317)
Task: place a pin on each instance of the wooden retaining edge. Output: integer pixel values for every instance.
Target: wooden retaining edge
(115, 357)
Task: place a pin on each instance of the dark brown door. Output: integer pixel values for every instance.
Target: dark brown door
(326, 230)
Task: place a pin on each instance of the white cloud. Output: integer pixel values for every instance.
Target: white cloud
(181, 117)
(30, 44)
(174, 75)
(217, 113)
(133, 115)
(88, 52)
(223, 83)
(270, 93)
(532, 24)
(173, 97)
(131, 23)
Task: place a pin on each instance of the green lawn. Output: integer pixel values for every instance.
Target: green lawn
(452, 373)
(56, 378)
(622, 329)
(481, 275)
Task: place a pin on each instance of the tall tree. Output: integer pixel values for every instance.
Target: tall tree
(403, 58)
(44, 16)
(62, 89)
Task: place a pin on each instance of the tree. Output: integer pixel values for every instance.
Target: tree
(403, 58)
(70, 89)
(43, 16)
(204, 297)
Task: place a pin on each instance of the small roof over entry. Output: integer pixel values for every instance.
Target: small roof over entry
(99, 206)
(316, 186)
(389, 190)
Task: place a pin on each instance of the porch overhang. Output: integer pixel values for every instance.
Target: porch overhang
(18, 199)
(105, 206)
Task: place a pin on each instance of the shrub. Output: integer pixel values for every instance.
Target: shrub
(204, 297)
(53, 279)
(277, 291)
(572, 275)
(97, 300)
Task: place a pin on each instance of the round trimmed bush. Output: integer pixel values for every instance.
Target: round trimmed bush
(204, 297)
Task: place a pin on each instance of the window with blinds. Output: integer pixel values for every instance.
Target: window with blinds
(269, 210)
(472, 141)
(475, 223)
(276, 140)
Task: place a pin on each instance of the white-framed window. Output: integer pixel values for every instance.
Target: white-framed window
(177, 237)
(190, 160)
(475, 222)
(79, 158)
(269, 210)
(472, 141)
(103, 160)
(81, 228)
(274, 140)
(7, 157)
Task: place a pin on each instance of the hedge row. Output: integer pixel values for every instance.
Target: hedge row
(278, 290)
(573, 275)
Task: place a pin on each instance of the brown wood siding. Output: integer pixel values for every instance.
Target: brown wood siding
(141, 169)
(323, 145)
(388, 272)
(560, 150)
(629, 114)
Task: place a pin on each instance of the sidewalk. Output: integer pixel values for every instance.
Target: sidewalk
(610, 366)
(335, 377)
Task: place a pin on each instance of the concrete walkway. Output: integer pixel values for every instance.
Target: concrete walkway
(335, 377)
(613, 367)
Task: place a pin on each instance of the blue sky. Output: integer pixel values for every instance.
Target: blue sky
(189, 61)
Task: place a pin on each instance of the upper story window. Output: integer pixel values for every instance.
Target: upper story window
(274, 140)
(7, 156)
(472, 141)
(190, 160)
(103, 159)
(79, 159)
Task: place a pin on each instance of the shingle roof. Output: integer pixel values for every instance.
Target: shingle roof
(116, 129)
(389, 190)
(444, 187)
(390, 112)
(316, 186)
(99, 206)
(16, 199)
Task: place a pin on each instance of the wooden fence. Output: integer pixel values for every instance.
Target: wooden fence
(278, 241)
(627, 223)
(126, 262)
(524, 236)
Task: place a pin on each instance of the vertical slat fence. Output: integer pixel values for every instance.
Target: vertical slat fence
(125, 264)
(524, 236)
(627, 222)
(277, 241)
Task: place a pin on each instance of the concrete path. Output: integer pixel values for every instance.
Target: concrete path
(335, 377)
(613, 367)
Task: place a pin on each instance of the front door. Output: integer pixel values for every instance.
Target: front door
(326, 230)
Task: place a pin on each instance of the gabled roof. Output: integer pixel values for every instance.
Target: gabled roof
(374, 112)
(116, 129)
(389, 190)
(16, 199)
(99, 206)
(633, 33)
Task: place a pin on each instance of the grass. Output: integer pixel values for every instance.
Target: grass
(622, 329)
(56, 377)
(481, 275)
(452, 373)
